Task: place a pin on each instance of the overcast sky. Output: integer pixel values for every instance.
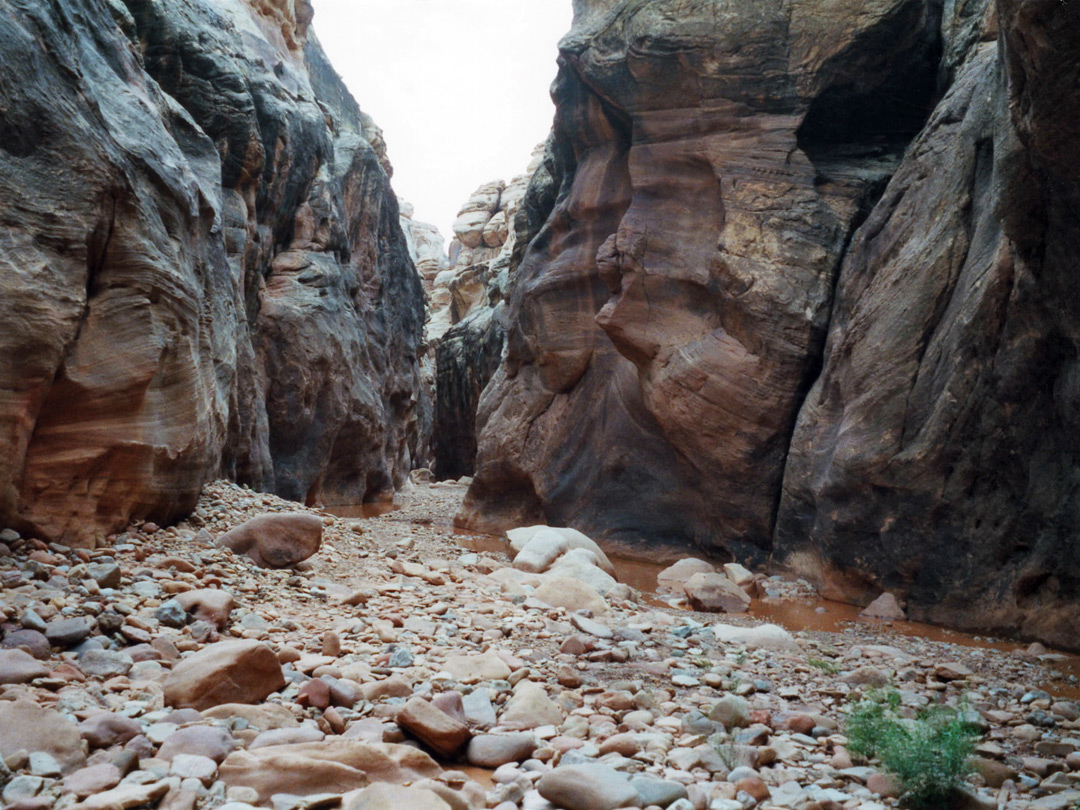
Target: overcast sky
(459, 87)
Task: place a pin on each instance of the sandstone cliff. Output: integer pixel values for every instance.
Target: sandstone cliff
(466, 290)
(203, 269)
(717, 208)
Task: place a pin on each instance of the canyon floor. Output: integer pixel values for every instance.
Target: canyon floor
(417, 673)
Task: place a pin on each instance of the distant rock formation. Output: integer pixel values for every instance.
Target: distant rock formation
(716, 205)
(466, 295)
(202, 267)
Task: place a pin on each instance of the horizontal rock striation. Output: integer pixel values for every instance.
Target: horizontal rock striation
(801, 292)
(666, 321)
(203, 269)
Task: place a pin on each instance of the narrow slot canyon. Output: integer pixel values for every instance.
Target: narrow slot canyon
(717, 451)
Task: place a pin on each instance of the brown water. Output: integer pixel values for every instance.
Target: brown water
(819, 615)
(362, 510)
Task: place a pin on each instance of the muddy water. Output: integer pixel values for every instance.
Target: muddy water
(362, 510)
(805, 614)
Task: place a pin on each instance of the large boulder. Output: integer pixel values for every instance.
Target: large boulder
(331, 766)
(18, 666)
(29, 727)
(276, 539)
(716, 593)
(225, 672)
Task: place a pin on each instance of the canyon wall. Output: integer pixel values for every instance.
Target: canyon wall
(203, 267)
(801, 294)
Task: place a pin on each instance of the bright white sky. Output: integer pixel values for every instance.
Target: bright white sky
(459, 87)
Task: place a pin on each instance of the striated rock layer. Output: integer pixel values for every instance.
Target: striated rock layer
(666, 321)
(937, 453)
(203, 270)
(720, 204)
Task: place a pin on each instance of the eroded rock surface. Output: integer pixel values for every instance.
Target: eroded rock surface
(935, 455)
(715, 203)
(665, 323)
(203, 270)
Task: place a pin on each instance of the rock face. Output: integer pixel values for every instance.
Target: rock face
(936, 453)
(202, 267)
(715, 203)
(465, 322)
(666, 321)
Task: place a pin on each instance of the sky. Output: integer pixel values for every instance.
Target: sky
(460, 88)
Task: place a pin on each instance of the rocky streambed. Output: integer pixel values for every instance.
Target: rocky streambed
(395, 668)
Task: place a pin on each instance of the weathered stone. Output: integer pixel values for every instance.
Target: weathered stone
(530, 707)
(208, 605)
(436, 729)
(95, 779)
(570, 593)
(673, 578)
(336, 766)
(910, 409)
(17, 666)
(105, 663)
(763, 636)
(29, 727)
(716, 593)
(384, 796)
(32, 641)
(276, 540)
(254, 265)
(124, 797)
(587, 787)
(884, 607)
(107, 729)
(68, 632)
(226, 672)
(493, 750)
(211, 742)
(475, 668)
(731, 710)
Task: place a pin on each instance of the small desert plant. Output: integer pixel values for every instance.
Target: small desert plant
(824, 664)
(929, 755)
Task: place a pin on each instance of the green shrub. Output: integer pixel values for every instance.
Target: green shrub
(929, 755)
(824, 664)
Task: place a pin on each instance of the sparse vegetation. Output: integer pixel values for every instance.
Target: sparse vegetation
(824, 664)
(929, 754)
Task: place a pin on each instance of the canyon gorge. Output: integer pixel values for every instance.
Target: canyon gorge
(790, 284)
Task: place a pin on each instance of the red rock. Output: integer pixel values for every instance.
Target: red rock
(433, 727)
(884, 785)
(884, 607)
(716, 593)
(330, 766)
(754, 787)
(225, 672)
(276, 539)
(315, 692)
(107, 729)
(208, 604)
(95, 779)
(18, 666)
(212, 742)
(30, 727)
(140, 365)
